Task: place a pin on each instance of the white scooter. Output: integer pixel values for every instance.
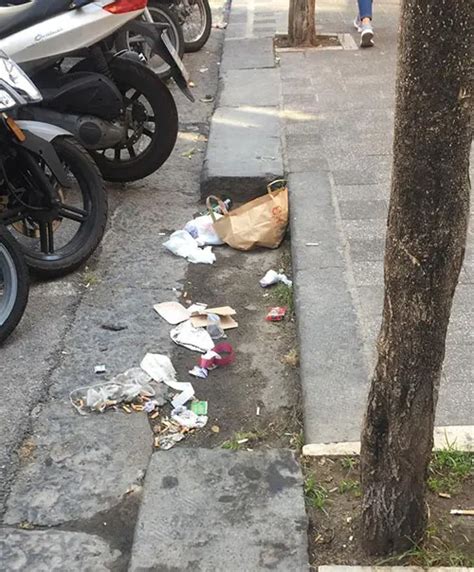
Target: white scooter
(115, 106)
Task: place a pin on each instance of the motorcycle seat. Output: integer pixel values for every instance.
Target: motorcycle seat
(19, 15)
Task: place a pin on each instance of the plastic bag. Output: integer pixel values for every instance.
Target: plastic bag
(202, 230)
(181, 243)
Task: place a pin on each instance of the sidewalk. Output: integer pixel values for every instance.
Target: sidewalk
(338, 121)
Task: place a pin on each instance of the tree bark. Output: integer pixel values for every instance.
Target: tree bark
(426, 236)
(301, 23)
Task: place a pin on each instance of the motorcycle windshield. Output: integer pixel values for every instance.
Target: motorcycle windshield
(16, 88)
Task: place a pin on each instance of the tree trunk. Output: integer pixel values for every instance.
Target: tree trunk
(301, 23)
(426, 236)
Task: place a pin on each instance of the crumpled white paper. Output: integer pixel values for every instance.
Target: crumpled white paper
(187, 418)
(181, 243)
(195, 339)
(160, 368)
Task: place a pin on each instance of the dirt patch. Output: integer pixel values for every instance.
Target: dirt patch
(322, 41)
(333, 496)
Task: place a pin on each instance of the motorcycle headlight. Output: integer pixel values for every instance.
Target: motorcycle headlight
(15, 85)
(6, 100)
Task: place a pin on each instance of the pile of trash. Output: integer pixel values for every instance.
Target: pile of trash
(153, 388)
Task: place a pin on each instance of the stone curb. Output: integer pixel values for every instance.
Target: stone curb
(244, 151)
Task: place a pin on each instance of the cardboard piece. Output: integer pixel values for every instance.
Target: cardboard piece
(173, 312)
(225, 313)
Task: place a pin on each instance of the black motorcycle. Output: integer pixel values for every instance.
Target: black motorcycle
(120, 111)
(52, 197)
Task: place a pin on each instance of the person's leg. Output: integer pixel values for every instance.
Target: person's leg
(365, 11)
(364, 23)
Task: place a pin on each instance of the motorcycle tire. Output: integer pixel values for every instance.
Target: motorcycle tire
(194, 41)
(14, 285)
(163, 15)
(83, 242)
(130, 75)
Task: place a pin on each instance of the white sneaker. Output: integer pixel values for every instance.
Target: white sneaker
(357, 24)
(366, 36)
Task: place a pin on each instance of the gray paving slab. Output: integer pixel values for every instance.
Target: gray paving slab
(248, 53)
(54, 551)
(260, 88)
(244, 152)
(214, 510)
(64, 478)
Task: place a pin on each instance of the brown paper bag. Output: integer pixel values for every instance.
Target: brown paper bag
(261, 222)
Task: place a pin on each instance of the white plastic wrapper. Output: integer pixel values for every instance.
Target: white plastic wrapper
(273, 277)
(202, 230)
(182, 244)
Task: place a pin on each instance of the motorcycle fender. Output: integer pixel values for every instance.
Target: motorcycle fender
(155, 32)
(41, 146)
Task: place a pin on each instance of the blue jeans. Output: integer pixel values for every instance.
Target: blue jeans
(365, 8)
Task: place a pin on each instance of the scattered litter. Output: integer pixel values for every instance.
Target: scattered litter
(199, 407)
(202, 230)
(187, 418)
(188, 154)
(351, 538)
(444, 495)
(217, 209)
(167, 441)
(100, 369)
(114, 327)
(195, 339)
(258, 410)
(462, 512)
(199, 317)
(273, 277)
(214, 328)
(173, 312)
(160, 368)
(191, 84)
(276, 314)
(349, 519)
(215, 429)
(125, 388)
(312, 244)
(199, 372)
(207, 99)
(181, 243)
(242, 441)
(223, 354)
(220, 25)
(204, 70)
(150, 406)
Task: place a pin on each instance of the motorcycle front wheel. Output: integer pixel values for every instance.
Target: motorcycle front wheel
(14, 285)
(151, 120)
(56, 240)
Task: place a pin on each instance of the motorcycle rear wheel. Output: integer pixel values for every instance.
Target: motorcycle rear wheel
(196, 25)
(14, 285)
(152, 118)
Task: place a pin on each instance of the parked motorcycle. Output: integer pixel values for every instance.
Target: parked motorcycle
(14, 284)
(195, 17)
(113, 104)
(52, 199)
